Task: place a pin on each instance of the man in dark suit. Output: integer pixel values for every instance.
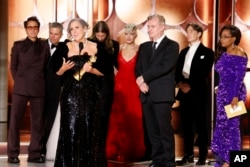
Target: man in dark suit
(192, 71)
(28, 62)
(155, 69)
(52, 84)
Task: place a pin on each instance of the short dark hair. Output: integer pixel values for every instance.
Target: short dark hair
(32, 18)
(196, 27)
(234, 31)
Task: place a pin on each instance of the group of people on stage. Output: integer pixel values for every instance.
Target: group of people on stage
(93, 99)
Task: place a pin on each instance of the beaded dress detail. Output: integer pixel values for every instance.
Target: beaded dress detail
(226, 137)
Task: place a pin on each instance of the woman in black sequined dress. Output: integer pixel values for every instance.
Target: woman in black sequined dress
(81, 142)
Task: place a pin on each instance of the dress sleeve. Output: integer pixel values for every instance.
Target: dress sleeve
(104, 62)
(240, 71)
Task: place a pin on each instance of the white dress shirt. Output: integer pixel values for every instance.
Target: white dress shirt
(52, 50)
(188, 59)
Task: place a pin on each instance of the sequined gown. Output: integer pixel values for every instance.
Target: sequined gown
(125, 140)
(81, 142)
(226, 137)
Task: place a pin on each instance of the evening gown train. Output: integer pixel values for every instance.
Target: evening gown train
(226, 137)
(53, 137)
(125, 140)
(81, 142)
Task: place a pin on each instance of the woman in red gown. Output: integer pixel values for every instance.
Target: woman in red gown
(125, 140)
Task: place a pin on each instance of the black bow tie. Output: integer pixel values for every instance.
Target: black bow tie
(53, 46)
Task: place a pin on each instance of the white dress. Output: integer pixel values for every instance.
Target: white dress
(53, 137)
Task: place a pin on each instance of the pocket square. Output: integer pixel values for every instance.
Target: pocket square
(202, 57)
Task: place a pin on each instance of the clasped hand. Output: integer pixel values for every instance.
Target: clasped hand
(185, 88)
(142, 85)
(86, 68)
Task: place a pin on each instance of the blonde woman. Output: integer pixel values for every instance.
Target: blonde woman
(125, 140)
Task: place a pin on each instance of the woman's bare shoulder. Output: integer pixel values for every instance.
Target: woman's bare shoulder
(69, 44)
(239, 51)
(92, 44)
(91, 47)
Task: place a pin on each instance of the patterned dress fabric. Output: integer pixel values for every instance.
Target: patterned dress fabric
(81, 142)
(226, 137)
(125, 140)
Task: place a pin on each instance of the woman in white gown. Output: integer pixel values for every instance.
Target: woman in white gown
(53, 137)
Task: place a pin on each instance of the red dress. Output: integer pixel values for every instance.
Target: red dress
(125, 140)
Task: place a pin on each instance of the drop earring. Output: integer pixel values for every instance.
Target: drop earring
(233, 46)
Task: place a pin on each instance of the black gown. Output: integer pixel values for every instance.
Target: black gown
(81, 140)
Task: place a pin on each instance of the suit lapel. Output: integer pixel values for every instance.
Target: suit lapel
(197, 53)
(196, 57)
(160, 47)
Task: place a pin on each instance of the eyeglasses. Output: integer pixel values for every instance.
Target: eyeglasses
(32, 27)
(225, 37)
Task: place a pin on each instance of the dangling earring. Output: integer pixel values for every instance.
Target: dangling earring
(233, 46)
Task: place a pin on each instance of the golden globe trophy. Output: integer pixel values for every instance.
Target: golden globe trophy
(78, 75)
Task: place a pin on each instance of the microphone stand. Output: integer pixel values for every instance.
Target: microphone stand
(79, 101)
(77, 75)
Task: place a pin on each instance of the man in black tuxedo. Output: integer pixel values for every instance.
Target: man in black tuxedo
(192, 71)
(52, 84)
(155, 69)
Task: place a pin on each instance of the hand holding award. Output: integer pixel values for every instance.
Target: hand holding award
(78, 75)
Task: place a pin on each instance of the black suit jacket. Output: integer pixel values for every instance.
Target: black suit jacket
(52, 96)
(200, 69)
(158, 72)
(52, 79)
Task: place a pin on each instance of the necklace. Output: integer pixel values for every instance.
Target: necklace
(131, 46)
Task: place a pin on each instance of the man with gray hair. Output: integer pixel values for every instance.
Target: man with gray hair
(52, 84)
(155, 72)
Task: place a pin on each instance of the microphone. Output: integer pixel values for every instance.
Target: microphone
(79, 72)
(80, 47)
